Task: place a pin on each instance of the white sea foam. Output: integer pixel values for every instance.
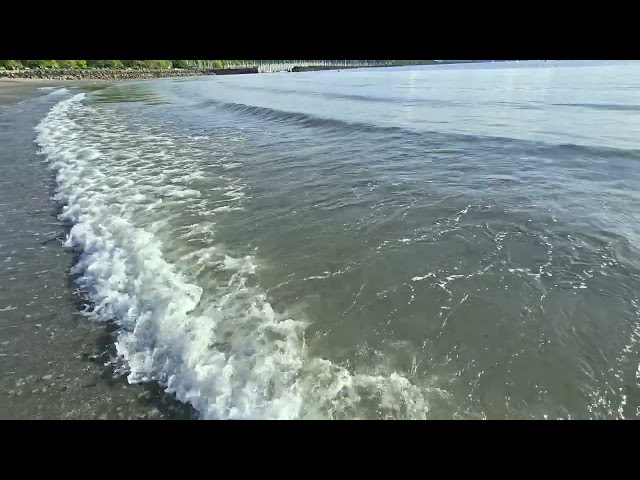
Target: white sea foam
(219, 346)
(54, 91)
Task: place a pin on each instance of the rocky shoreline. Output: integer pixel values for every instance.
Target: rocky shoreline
(113, 74)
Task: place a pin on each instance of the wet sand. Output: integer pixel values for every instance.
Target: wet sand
(53, 360)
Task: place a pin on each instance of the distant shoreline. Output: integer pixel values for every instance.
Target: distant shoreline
(113, 74)
(107, 74)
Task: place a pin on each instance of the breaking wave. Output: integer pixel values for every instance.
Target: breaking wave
(213, 341)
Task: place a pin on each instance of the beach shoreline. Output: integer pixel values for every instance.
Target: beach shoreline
(108, 74)
(55, 363)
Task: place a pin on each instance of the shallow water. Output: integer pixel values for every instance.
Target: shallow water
(432, 242)
(53, 362)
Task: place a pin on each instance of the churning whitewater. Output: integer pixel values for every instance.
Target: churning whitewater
(189, 313)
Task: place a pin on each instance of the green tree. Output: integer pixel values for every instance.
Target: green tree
(113, 64)
(138, 64)
(147, 64)
(72, 63)
(180, 63)
(40, 63)
(10, 64)
(157, 64)
(105, 64)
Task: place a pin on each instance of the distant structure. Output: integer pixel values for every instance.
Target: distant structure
(273, 66)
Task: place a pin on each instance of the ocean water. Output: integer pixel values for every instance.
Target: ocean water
(421, 242)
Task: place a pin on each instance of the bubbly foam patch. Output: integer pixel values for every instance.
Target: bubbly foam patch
(188, 316)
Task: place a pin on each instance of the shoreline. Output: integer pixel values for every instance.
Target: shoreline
(56, 363)
(107, 74)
